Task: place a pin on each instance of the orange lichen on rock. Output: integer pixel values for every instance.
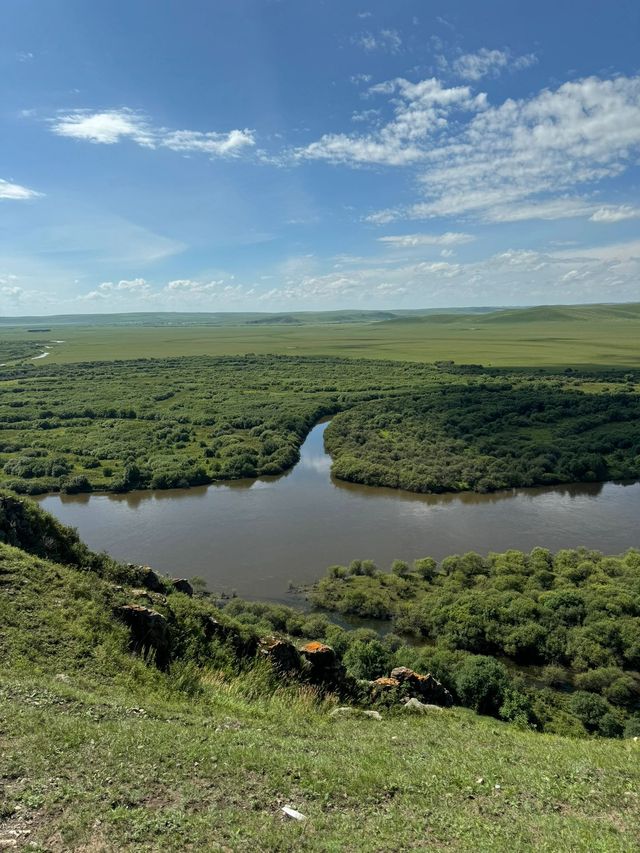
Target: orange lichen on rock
(387, 682)
(316, 647)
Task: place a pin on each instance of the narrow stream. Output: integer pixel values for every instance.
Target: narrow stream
(256, 536)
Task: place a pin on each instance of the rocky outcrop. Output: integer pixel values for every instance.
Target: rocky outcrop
(426, 688)
(149, 632)
(182, 585)
(326, 671)
(147, 578)
(283, 656)
(405, 685)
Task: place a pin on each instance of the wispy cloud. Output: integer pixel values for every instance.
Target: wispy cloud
(421, 114)
(16, 192)
(515, 160)
(387, 41)
(488, 63)
(112, 126)
(611, 213)
(410, 241)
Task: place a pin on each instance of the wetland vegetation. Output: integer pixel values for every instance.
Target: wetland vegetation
(170, 423)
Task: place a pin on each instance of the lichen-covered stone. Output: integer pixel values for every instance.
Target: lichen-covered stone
(426, 688)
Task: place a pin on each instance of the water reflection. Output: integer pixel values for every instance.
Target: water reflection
(255, 536)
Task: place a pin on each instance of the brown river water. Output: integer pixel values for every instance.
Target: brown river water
(257, 536)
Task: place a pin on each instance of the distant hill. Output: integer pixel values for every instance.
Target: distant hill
(535, 314)
(565, 313)
(542, 313)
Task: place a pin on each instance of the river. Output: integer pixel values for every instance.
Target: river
(256, 536)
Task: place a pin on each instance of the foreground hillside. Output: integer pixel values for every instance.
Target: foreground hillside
(102, 750)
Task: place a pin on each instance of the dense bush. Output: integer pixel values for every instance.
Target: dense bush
(574, 617)
(484, 437)
(173, 423)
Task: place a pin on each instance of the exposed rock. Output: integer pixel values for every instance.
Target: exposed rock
(423, 687)
(282, 656)
(182, 585)
(148, 632)
(319, 655)
(141, 593)
(347, 711)
(326, 670)
(373, 715)
(149, 579)
(243, 645)
(415, 706)
(344, 711)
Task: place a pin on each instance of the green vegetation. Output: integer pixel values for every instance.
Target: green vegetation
(102, 750)
(593, 336)
(485, 437)
(176, 422)
(179, 422)
(13, 350)
(569, 621)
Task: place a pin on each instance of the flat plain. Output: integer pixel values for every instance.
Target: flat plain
(587, 336)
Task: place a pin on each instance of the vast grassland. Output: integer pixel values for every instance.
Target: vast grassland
(586, 336)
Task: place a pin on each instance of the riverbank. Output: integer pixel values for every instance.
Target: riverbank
(258, 536)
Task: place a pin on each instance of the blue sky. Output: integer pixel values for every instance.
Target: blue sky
(298, 154)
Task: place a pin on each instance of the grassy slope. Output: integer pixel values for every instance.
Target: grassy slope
(100, 752)
(547, 336)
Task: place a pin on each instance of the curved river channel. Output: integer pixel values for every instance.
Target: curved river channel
(256, 536)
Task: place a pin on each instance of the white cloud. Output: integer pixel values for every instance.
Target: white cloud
(421, 113)
(388, 41)
(509, 162)
(550, 209)
(606, 273)
(188, 286)
(11, 291)
(382, 217)
(405, 241)
(15, 192)
(616, 253)
(105, 128)
(579, 133)
(615, 214)
(134, 288)
(561, 208)
(485, 62)
(112, 126)
(216, 144)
